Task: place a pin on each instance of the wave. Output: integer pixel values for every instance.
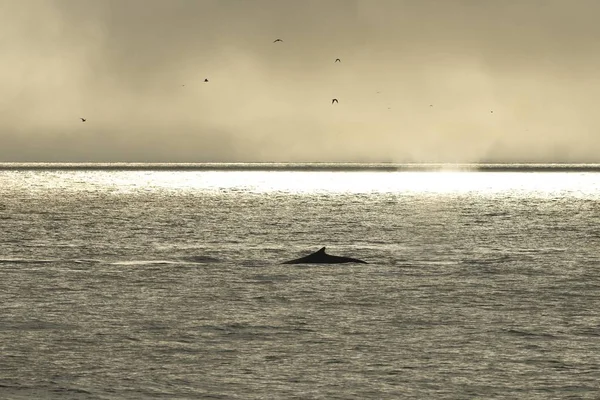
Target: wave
(529, 334)
(201, 259)
(87, 261)
(191, 259)
(25, 261)
(144, 262)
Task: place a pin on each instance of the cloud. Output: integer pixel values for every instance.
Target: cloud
(122, 64)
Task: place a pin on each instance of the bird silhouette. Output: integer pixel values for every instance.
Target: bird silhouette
(334, 101)
(337, 60)
(277, 40)
(83, 119)
(206, 80)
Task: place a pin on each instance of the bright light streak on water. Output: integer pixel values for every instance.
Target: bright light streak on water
(583, 184)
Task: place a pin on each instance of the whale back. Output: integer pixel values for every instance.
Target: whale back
(320, 257)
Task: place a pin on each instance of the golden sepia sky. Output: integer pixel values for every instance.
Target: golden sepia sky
(418, 81)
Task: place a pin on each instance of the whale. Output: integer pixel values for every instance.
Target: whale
(320, 257)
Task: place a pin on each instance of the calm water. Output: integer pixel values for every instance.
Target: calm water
(167, 284)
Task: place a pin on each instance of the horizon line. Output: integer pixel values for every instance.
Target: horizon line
(302, 166)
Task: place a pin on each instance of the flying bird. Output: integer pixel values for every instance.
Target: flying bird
(277, 40)
(334, 101)
(337, 60)
(206, 80)
(83, 119)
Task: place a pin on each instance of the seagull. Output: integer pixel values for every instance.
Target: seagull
(492, 111)
(334, 101)
(337, 60)
(277, 40)
(431, 105)
(205, 79)
(83, 119)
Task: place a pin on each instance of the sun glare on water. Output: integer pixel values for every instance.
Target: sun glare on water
(416, 182)
(307, 182)
(358, 182)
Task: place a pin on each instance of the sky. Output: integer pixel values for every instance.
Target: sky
(419, 81)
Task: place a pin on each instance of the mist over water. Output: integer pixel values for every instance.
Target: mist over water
(122, 65)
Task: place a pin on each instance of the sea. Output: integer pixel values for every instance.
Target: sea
(165, 281)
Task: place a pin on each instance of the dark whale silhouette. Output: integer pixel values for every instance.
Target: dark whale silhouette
(320, 257)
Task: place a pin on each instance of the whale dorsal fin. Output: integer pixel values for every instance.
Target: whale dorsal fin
(321, 251)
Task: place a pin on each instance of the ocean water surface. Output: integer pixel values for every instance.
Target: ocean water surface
(166, 282)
